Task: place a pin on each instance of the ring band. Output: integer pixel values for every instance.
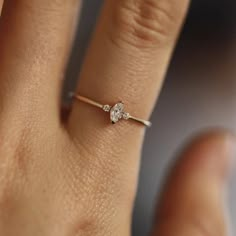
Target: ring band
(116, 111)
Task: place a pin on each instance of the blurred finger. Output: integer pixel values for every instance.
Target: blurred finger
(193, 202)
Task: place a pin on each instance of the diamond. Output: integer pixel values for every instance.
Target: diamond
(116, 112)
(106, 108)
(126, 115)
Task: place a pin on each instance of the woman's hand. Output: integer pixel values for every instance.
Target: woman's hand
(79, 176)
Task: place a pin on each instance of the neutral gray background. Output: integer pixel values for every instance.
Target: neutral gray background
(199, 92)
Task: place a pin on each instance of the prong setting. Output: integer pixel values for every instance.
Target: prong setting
(106, 108)
(125, 115)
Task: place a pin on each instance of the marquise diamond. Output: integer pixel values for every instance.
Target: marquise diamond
(116, 112)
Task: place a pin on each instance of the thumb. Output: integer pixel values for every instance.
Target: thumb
(193, 201)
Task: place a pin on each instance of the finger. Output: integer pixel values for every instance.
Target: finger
(35, 39)
(193, 202)
(129, 55)
(126, 61)
(1, 3)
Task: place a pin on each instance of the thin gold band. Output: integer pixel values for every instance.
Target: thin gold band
(116, 111)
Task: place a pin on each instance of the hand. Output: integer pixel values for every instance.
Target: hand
(79, 176)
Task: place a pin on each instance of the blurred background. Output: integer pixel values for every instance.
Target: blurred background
(199, 92)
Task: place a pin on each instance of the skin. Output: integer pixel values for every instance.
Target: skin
(78, 176)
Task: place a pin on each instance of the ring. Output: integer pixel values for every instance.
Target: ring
(116, 111)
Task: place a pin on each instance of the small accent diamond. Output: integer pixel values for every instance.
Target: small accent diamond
(126, 115)
(106, 108)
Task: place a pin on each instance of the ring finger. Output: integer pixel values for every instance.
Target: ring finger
(126, 62)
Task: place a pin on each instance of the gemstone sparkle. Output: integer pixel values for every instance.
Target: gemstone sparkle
(116, 112)
(106, 108)
(126, 115)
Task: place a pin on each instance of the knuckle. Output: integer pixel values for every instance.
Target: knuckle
(143, 23)
(14, 153)
(5, 182)
(85, 227)
(8, 175)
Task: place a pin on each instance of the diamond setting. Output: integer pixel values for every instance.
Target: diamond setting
(106, 108)
(116, 112)
(126, 115)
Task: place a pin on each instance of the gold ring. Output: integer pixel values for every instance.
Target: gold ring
(116, 111)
